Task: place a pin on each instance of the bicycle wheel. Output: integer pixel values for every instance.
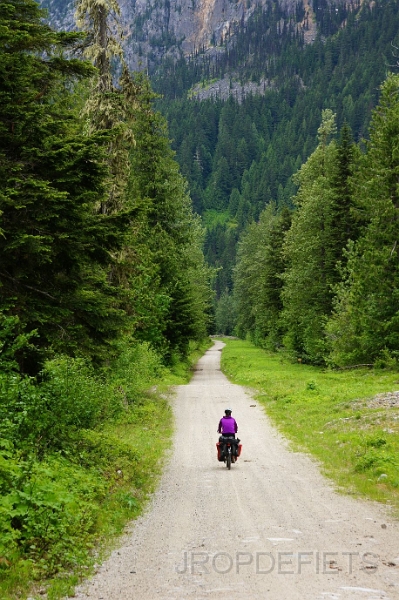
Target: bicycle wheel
(228, 459)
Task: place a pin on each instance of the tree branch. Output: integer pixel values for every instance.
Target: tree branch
(29, 287)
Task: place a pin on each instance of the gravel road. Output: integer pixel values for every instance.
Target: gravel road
(271, 528)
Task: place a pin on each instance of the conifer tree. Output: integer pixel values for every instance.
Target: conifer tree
(160, 271)
(167, 237)
(246, 275)
(365, 321)
(54, 248)
(225, 314)
(309, 250)
(343, 215)
(258, 278)
(109, 107)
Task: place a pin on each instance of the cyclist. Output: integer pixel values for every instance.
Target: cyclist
(228, 428)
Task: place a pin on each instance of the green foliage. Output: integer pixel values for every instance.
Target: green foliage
(135, 366)
(59, 497)
(79, 267)
(45, 415)
(309, 252)
(285, 271)
(101, 265)
(225, 314)
(78, 455)
(49, 507)
(48, 413)
(364, 323)
(258, 278)
(54, 248)
(168, 239)
(12, 342)
(240, 156)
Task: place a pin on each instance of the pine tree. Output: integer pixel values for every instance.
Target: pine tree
(246, 274)
(258, 287)
(343, 216)
(167, 238)
(225, 314)
(109, 107)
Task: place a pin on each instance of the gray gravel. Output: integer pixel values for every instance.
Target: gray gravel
(386, 400)
(271, 528)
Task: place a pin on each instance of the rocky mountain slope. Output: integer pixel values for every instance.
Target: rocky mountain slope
(155, 28)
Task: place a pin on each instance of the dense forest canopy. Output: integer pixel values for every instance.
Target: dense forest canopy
(239, 156)
(326, 289)
(287, 200)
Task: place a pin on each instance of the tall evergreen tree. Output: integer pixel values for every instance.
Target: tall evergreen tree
(258, 286)
(365, 322)
(54, 247)
(343, 215)
(109, 107)
(167, 237)
(309, 250)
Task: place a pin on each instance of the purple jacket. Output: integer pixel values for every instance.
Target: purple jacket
(227, 425)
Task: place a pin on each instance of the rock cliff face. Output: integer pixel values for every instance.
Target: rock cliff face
(155, 28)
(190, 24)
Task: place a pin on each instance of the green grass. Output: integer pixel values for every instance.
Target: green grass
(105, 482)
(204, 85)
(325, 413)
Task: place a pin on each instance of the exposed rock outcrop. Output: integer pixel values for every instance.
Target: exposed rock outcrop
(154, 28)
(223, 88)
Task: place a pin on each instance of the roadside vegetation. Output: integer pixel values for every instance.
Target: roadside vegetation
(80, 452)
(104, 294)
(322, 282)
(333, 415)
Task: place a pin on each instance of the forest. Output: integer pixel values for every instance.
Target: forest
(297, 186)
(103, 286)
(321, 281)
(238, 157)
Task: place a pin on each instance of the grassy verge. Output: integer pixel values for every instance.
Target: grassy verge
(329, 414)
(64, 499)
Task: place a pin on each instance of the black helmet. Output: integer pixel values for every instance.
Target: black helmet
(228, 411)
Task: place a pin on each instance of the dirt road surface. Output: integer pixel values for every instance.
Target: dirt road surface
(271, 528)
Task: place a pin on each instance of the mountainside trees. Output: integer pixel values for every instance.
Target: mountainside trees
(314, 245)
(103, 285)
(258, 278)
(239, 156)
(167, 238)
(335, 290)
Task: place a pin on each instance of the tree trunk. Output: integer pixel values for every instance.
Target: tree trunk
(103, 65)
